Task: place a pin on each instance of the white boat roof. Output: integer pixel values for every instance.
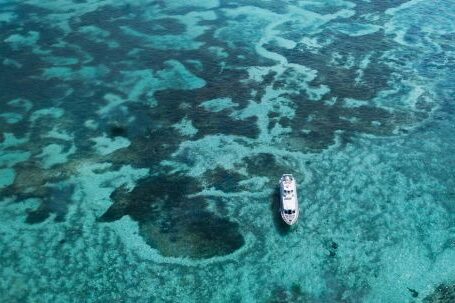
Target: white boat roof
(290, 204)
(289, 192)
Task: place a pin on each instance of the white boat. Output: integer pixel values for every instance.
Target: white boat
(288, 195)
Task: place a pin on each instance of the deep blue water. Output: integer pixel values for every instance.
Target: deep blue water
(141, 143)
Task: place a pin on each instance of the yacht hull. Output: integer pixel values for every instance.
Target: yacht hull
(289, 205)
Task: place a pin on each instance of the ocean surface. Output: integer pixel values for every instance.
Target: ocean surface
(141, 144)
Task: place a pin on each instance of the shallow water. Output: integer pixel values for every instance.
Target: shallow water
(142, 141)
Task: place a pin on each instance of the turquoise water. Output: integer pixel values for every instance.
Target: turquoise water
(142, 141)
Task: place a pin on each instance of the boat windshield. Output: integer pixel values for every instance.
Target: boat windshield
(287, 178)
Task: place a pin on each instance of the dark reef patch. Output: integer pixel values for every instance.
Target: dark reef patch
(117, 130)
(322, 122)
(263, 164)
(48, 186)
(149, 148)
(224, 180)
(171, 221)
(414, 293)
(317, 123)
(219, 123)
(442, 294)
(55, 201)
(339, 77)
(376, 6)
(293, 294)
(174, 105)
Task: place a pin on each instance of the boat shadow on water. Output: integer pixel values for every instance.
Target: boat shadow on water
(282, 228)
